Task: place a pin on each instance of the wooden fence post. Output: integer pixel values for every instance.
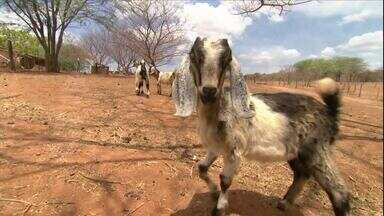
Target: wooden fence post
(11, 56)
(361, 86)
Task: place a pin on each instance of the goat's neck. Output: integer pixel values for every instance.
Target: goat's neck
(208, 113)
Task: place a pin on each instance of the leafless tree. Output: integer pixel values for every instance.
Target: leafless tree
(247, 7)
(97, 45)
(120, 50)
(48, 20)
(156, 30)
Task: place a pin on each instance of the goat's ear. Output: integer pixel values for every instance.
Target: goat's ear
(239, 91)
(184, 92)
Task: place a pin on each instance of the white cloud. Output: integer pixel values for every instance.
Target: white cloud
(272, 14)
(269, 59)
(328, 52)
(368, 46)
(367, 42)
(349, 11)
(276, 53)
(205, 20)
(360, 16)
(338, 8)
(276, 18)
(313, 56)
(291, 53)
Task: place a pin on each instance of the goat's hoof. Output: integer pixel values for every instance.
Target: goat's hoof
(283, 205)
(218, 212)
(222, 203)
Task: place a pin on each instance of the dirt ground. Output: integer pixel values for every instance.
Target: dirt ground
(86, 145)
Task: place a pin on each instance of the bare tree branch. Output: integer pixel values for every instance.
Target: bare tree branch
(155, 29)
(246, 7)
(96, 43)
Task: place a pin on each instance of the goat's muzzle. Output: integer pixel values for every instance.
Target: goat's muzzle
(208, 95)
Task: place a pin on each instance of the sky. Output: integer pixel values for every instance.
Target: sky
(266, 41)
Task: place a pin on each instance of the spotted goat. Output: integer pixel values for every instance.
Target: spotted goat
(141, 77)
(236, 124)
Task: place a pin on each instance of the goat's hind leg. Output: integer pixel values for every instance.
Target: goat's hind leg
(203, 167)
(231, 165)
(327, 175)
(300, 177)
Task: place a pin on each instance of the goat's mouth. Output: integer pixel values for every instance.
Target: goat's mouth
(207, 99)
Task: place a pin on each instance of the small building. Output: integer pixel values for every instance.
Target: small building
(99, 69)
(29, 61)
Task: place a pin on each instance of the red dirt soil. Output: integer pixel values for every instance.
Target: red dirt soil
(87, 145)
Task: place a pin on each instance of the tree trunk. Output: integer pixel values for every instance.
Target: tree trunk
(56, 65)
(11, 56)
(51, 63)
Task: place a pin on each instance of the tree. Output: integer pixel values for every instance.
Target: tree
(155, 29)
(23, 42)
(97, 45)
(336, 67)
(121, 52)
(349, 67)
(247, 7)
(48, 20)
(72, 57)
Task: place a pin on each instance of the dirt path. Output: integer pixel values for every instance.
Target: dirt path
(86, 145)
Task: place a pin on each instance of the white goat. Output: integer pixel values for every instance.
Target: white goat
(264, 127)
(165, 78)
(141, 76)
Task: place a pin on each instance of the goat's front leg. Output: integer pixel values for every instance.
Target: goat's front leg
(147, 86)
(139, 88)
(158, 88)
(231, 165)
(203, 167)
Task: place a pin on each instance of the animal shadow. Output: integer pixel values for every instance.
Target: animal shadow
(241, 202)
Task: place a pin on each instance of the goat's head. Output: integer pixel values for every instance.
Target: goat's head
(153, 71)
(209, 61)
(202, 74)
(135, 63)
(142, 63)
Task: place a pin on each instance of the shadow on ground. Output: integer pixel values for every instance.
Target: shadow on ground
(241, 202)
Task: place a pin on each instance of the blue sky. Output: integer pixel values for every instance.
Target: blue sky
(265, 41)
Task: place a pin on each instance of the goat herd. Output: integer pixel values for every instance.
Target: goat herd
(235, 124)
(142, 77)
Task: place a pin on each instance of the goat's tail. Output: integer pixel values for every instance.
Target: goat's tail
(329, 91)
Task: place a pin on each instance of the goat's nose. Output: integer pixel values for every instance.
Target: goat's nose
(209, 91)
